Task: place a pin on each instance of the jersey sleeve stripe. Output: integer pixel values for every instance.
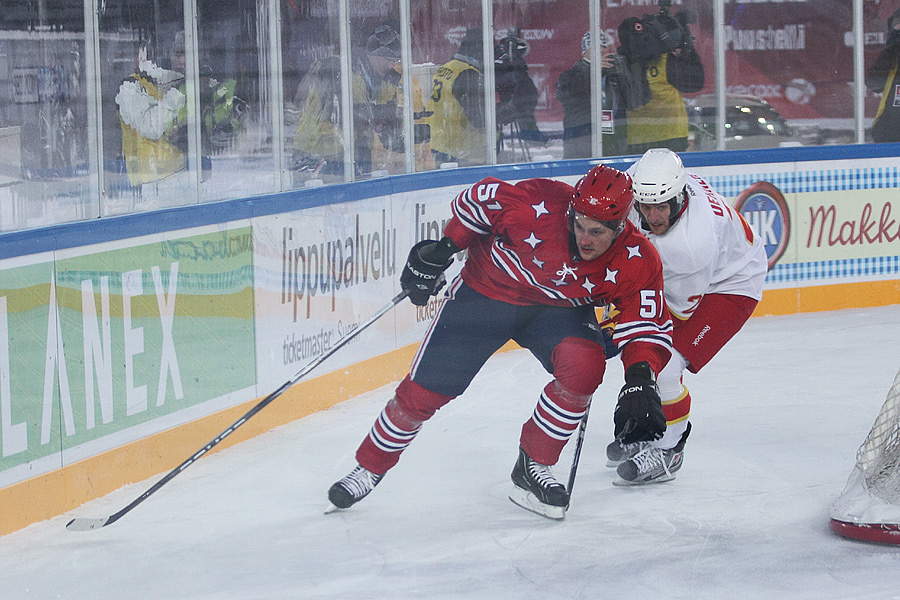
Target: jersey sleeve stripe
(470, 213)
(643, 331)
(632, 327)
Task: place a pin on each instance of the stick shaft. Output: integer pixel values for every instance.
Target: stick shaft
(579, 441)
(86, 524)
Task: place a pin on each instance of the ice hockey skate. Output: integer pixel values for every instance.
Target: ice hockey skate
(652, 465)
(352, 488)
(617, 452)
(537, 490)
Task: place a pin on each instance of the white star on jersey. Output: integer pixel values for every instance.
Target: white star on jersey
(532, 240)
(611, 275)
(634, 251)
(540, 209)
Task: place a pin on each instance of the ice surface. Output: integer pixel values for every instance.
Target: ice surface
(778, 417)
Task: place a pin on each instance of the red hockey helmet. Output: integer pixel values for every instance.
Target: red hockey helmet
(604, 194)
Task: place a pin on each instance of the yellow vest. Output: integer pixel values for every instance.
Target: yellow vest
(395, 162)
(318, 130)
(665, 116)
(451, 132)
(149, 160)
(886, 93)
(319, 134)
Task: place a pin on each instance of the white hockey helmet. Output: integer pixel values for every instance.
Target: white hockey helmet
(659, 177)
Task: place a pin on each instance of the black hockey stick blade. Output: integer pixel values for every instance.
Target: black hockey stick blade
(89, 524)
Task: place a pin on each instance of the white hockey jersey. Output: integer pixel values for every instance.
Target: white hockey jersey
(710, 249)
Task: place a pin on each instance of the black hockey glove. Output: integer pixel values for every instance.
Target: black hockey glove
(423, 275)
(639, 416)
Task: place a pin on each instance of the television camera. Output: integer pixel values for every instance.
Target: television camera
(656, 34)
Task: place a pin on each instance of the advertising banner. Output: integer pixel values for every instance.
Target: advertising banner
(822, 223)
(102, 347)
(321, 271)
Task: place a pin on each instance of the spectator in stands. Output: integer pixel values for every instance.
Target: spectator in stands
(456, 106)
(620, 86)
(149, 102)
(318, 148)
(884, 77)
(153, 114)
(377, 112)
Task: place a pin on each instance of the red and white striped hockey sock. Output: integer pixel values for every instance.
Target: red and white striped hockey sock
(397, 425)
(555, 419)
(391, 433)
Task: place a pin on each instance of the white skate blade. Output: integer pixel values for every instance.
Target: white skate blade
(612, 464)
(331, 508)
(529, 502)
(625, 483)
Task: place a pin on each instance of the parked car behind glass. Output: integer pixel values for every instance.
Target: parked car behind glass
(750, 122)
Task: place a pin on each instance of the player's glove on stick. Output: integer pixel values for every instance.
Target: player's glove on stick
(423, 275)
(639, 416)
(610, 348)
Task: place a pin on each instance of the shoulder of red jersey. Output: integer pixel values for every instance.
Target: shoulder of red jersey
(634, 265)
(540, 185)
(643, 327)
(471, 206)
(474, 206)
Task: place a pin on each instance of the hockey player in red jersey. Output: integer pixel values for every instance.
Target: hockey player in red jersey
(714, 266)
(541, 256)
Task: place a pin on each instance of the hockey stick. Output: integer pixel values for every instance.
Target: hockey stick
(579, 441)
(87, 524)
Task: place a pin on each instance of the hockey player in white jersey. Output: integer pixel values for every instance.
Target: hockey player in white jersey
(713, 271)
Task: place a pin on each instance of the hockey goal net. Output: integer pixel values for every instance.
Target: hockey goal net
(869, 507)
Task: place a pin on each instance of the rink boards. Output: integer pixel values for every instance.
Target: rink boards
(124, 348)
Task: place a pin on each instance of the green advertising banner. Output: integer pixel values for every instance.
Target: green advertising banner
(98, 349)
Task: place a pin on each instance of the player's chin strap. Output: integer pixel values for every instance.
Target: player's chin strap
(87, 524)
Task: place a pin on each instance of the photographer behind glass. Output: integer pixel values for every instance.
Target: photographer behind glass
(663, 46)
(884, 77)
(517, 96)
(623, 86)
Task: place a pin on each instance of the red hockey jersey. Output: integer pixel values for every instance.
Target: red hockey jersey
(519, 251)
